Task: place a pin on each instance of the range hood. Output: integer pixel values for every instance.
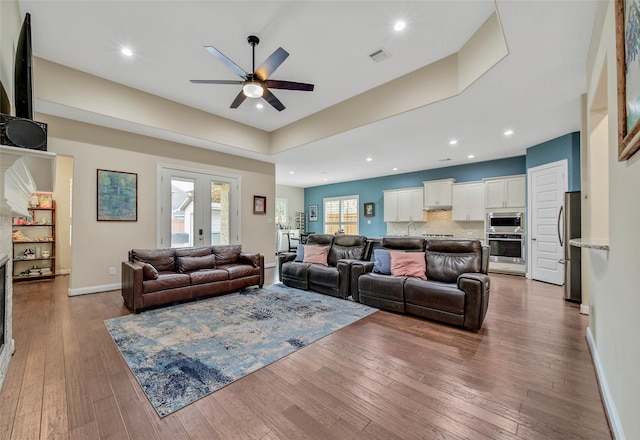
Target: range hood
(437, 208)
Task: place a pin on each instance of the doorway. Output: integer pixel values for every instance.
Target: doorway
(197, 208)
(547, 185)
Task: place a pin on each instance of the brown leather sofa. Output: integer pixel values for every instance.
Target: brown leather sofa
(456, 289)
(157, 277)
(332, 279)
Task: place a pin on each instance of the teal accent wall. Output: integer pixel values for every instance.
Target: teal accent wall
(370, 190)
(564, 147)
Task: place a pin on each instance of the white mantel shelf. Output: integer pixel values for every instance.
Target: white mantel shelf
(590, 243)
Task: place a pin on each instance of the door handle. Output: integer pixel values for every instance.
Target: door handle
(559, 217)
(562, 261)
(534, 239)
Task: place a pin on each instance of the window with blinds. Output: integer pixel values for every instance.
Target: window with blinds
(341, 214)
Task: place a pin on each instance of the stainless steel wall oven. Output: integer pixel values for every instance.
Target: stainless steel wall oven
(506, 248)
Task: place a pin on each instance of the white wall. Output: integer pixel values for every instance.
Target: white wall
(612, 276)
(97, 246)
(62, 196)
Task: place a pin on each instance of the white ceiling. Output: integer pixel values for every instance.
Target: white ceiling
(535, 90)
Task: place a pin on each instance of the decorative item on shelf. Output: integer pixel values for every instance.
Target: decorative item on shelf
(259, 205)
(28, 254)
(34, 201)
(19, 236)
(369, 209)
(45, 200)
(45, 254)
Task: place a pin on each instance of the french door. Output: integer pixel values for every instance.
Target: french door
(197, 208)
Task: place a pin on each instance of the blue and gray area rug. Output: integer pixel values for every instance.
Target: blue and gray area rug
(180, 354)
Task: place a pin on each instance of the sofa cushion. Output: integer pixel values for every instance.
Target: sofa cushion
(226, 254)
(447, 259)
(299, 253)
(149, 272)
(435, 295)
(166, 280)
(324, 276)
(316, 254)
(236, 271)
(346, 246)
(382, 261)
(193, 251)
(381, 286)
(188, 264)
(408, 264)
(161, 259)
(205, 276)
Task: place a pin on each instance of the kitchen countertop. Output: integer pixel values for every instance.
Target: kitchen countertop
(590, 243)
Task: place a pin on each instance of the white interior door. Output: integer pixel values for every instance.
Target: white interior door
(547, 185)
(197, 209)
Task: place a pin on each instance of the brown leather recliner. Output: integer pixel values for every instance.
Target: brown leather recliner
(332, 279)
(456, 290)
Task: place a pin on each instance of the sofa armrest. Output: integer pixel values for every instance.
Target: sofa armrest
(284, 257)
(344, 272)
(132, 278)
(476, 288)
(358, 268)
(252, 259)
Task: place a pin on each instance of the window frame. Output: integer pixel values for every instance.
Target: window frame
(341, 223)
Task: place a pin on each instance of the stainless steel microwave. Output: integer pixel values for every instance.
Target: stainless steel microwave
(505, 222)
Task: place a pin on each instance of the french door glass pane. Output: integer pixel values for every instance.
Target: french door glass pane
(220, 231)
(182, 203)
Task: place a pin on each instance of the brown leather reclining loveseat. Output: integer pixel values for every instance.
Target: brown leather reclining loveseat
(156, 277)
(454, 287)
(332, 275)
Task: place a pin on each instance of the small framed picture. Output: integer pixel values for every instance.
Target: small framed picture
(313, 213)
(369, 209)
(259, 205)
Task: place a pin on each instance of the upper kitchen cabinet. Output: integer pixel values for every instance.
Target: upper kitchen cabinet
(403, 205)
(437, 194)
(505, 192)
(467, 202)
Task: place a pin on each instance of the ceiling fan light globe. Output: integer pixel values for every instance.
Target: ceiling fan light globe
(252, 90)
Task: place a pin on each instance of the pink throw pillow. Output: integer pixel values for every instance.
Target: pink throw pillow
(408, 264)
(316, 254)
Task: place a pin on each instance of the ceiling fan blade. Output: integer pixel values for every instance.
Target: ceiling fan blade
(216, 81)
(271, 64)
(230, 64)
(239, 100)
(288, 85)
(271, 99)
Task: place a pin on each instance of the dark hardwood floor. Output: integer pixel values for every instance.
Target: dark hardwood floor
(527, 374)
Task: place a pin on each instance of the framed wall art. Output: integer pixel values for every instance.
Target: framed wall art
(313, 213)
(628, 77)
(117, 195)
(259, 205)
(369, 209)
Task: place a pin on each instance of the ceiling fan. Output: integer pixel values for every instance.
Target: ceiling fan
(256, 84)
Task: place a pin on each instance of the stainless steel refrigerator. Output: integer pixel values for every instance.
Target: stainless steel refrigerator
(568, 228)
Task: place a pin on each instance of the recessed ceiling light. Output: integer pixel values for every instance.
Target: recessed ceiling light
(291, 172)
(453, 142)
(259, 105)
(400, 25)
(325, 179)
(471, 156)
(369, 159)
(126, 52)
(395, 168)
(508, 132)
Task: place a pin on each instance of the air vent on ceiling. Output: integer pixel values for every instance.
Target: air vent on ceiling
(379, 55)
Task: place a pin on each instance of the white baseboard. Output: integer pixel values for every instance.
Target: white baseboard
(94, 289)
(585, 309)
(609, 404)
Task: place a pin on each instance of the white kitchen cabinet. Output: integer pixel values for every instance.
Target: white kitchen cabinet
(403, 205)
(437, 194)
(467, 201)
(505, 192)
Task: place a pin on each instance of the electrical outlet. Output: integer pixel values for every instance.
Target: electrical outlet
(112, 271)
